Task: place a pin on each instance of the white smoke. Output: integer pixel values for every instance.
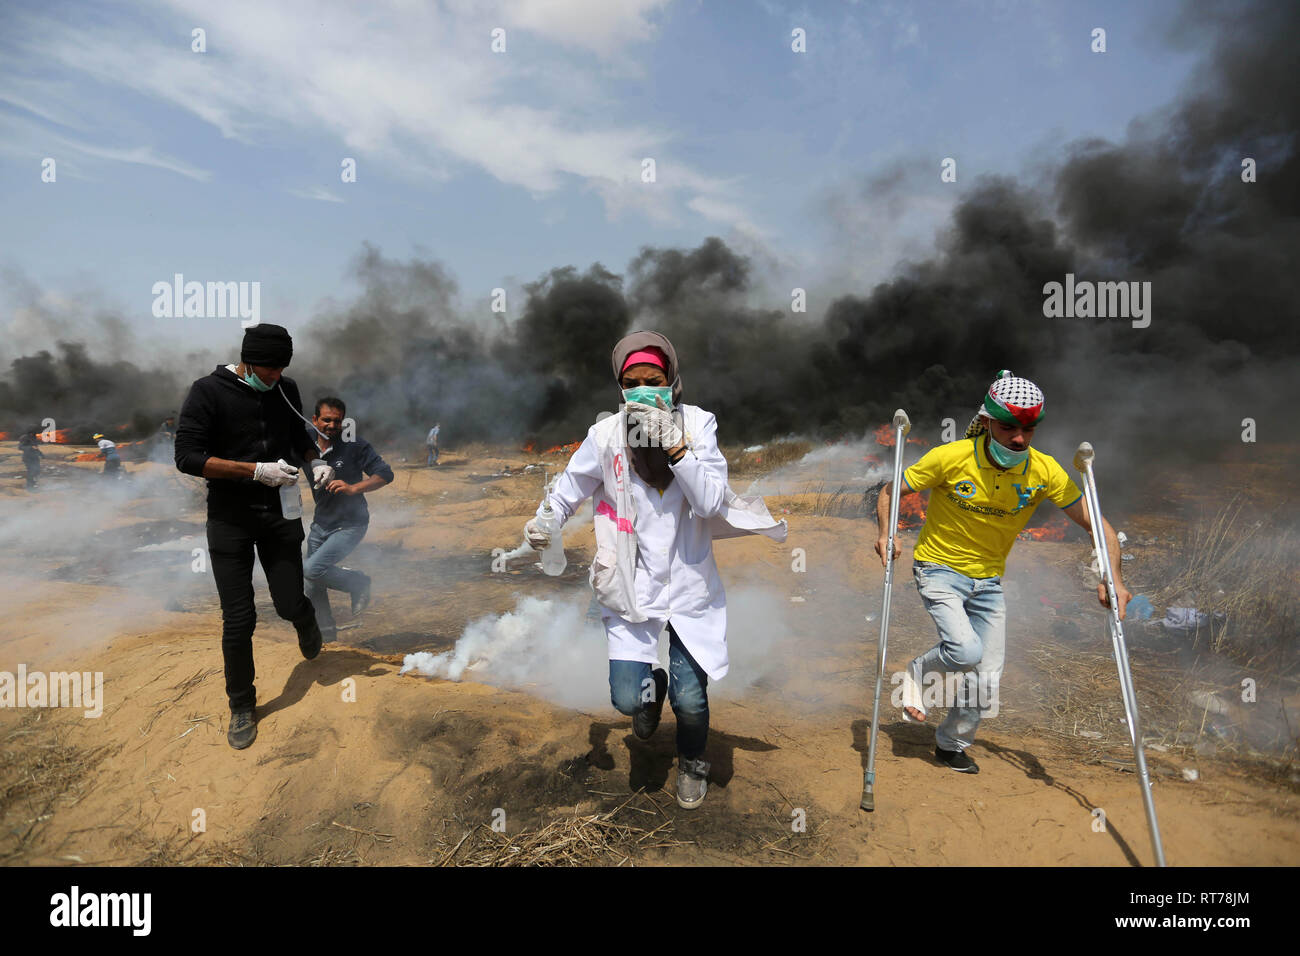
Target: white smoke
(557, 649)
(546, 646)
(843, 463)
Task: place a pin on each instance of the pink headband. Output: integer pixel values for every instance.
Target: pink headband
(648, 356)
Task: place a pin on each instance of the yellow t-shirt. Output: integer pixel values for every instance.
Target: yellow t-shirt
(976, 509)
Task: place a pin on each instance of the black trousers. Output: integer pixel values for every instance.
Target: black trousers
(232, 538)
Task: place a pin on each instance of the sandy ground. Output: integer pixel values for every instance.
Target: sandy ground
(356, 764)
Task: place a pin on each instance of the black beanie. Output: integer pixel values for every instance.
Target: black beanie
(268, 345)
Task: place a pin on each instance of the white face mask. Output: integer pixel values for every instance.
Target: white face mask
(1004, 456)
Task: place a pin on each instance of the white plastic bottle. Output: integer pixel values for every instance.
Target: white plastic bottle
(290, 501)
(553, 559)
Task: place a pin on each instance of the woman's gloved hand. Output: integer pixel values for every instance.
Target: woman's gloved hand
(537, 539)
(276, 474)
(658, 426)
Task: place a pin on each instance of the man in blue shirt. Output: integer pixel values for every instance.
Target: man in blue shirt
(341, 517)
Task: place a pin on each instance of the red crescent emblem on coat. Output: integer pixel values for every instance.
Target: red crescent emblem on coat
(618, 465)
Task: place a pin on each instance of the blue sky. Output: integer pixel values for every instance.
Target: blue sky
(224, 165)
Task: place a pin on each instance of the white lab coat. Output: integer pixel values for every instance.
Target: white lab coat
(675, 577)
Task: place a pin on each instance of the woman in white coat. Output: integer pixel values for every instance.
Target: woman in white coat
(655, 522)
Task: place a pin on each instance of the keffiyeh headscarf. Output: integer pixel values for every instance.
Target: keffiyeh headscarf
(1012, 401)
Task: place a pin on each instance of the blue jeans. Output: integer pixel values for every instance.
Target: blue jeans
(630, 680)
(325, 549)
(433, 456)
(971, 617)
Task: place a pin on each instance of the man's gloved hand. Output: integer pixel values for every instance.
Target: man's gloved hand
(276, 474)
(658, 426)
(537, 539)
(321, 474)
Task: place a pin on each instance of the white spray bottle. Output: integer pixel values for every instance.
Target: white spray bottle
(553, 559)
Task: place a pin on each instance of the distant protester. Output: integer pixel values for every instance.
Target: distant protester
(112, 460)
(29, 445)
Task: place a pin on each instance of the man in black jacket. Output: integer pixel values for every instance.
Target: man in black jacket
(341, 517)
(241, 428)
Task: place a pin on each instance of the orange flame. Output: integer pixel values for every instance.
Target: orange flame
(99, 456)
(911, 511)
(1053, 530)
(884, 436)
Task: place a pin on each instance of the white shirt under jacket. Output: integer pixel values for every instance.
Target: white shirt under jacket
(676, 578)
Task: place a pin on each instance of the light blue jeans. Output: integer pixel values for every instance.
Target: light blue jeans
(325, 549)
(971, 617)
(687, 693)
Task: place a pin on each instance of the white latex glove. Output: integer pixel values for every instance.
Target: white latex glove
(321, 474)
(537, 539)
(275, 473)
(659, 429)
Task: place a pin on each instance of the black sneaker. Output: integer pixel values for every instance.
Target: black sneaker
(956, 760)
(309, 638)
(242, 730)
(646, 720)
(361, 599)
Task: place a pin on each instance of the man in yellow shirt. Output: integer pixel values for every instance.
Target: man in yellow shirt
(984, 488)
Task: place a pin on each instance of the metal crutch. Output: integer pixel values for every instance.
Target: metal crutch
(902, 425)
(1083, 459)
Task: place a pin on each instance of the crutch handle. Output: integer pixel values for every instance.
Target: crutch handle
(902, 421)
(1083, 457)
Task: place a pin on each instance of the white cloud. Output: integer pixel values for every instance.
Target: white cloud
(144, 156)
(602, 26)
(411, 90)
(315, 192)
(25, 139)
(720, 210)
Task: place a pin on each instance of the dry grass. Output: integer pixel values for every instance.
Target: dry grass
(577, 840)
(1243, 571)
(597, 838)
(197, 850)
(817, 500)
(771, 456)
(41, 773)
(1076, 697)
(178, 693)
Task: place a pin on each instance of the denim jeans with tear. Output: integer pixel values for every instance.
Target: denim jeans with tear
(970, 614)
(687, 693)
